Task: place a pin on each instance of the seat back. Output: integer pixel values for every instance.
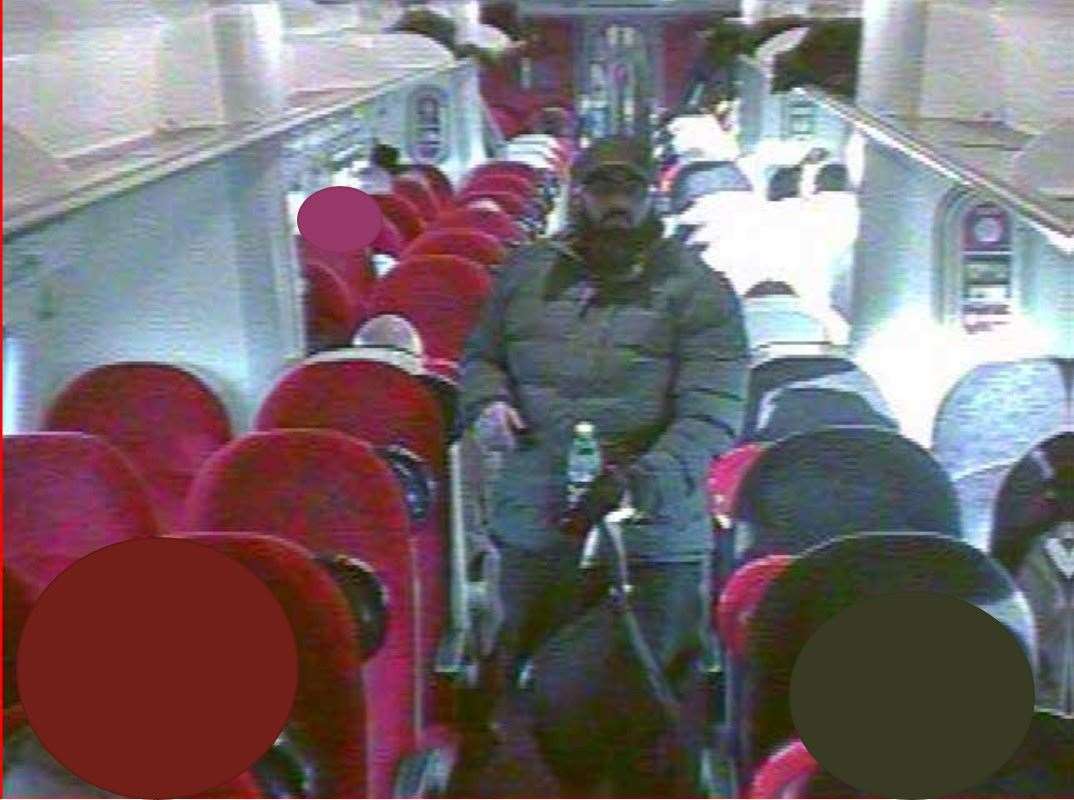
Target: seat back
(832, 178)
(355, 269)
(512, 204)
(331, 493)
(740, 597)
(766, 327)
(414, 189)
(505, 182)
(1033, 537)
(700, 178)
(784, 183)
(402, 213)
(1036, 494)
(389, 240)
(812, 487)
(163, 418)
(436, 180)
(333, 313)
(774, 373)
(997, 411)
(441, 295)
(327, 726)
(370, 400)
(506, 121)
(977, 492)
(476, 245)
(826, 580)
(505, 167)
(800, 409)
(725, 479)
(494, 223)
(67, 495)
(785, 773)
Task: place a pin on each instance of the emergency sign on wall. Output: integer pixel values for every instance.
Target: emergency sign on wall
(987, 256)
(428, 125)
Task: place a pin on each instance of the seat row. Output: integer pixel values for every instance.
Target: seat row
(795, 505)
(318, 495)
(440, 239)
(349, 462)
(772, 606)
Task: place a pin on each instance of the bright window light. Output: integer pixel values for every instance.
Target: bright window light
(12, 369)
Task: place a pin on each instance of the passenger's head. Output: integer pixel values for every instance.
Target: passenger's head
(391, 339)
(769, 288)
(614, 176)
(386, 157)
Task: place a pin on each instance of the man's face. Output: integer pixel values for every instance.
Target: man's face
(615, 199)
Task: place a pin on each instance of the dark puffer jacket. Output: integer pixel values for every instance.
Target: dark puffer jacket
(655, 357)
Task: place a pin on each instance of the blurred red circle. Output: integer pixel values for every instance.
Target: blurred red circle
(157, 668)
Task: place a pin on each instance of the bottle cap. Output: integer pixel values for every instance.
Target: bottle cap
(584, 429)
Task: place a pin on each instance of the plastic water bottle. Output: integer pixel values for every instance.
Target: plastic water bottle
(583, 462)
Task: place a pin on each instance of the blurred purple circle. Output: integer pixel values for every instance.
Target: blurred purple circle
(339, 219)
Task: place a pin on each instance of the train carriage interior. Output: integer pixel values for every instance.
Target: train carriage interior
(887, 185)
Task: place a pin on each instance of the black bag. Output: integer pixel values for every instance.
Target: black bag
(596, 692)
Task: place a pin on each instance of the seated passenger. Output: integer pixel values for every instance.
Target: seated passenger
(376, 176)
(614, 323)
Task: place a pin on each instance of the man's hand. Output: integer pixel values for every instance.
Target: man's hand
(497, 427)
(604, 496)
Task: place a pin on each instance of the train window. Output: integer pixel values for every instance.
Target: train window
(429, 135)
(980, 236)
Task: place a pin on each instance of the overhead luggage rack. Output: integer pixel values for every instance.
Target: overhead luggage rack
(167, 152)
(978, 154)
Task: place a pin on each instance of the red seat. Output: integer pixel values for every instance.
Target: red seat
(512, 204)
(161, 417)
(475, 245)
(726, 475)
(331, 493)
(384, 406)
(389, 240)
(740, 597)
(417, 191)
(785, 773)
(442, 296)
(494, 223)
(355, 269)
(67, 495)
(367, 399)
(501, 182)
(506, 121)
(506, 167)
(18, 600)
(402, 213)
(436, 179)
(333, 312)
(329, 714)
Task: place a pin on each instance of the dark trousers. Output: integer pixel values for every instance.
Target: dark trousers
(542, 591)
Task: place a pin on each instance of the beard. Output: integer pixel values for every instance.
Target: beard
(610, 250)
